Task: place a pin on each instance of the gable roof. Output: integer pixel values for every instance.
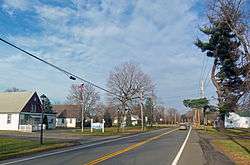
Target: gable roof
(67, 111)
(243, 113)
(11, 102)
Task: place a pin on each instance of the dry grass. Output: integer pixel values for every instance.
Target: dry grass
(111, 131)
(235, 143)
(10, 147)
(234, 151)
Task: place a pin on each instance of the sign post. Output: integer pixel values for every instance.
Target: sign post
(97, 125)
(91, 125)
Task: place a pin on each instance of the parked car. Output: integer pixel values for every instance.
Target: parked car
(183, 126)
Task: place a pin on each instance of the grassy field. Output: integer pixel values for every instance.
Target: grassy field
(235, 143)
(235, 150)
(113, 131)
(10, 147)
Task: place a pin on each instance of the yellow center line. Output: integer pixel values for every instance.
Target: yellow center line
(131, 147)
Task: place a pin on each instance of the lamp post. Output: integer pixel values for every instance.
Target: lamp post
(142, 114)
(81, 87)
(43, 97)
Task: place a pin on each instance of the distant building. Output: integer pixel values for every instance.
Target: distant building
(68, 116)
(235, 120)
(134, 120)
(22, 111)
(211, 117)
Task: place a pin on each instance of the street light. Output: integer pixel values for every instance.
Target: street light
(43, 97)
(141, 104)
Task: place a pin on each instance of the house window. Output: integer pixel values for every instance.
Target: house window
(33, 108)
(62, 121)
(51, 121)
(70, 120)
(8, 118)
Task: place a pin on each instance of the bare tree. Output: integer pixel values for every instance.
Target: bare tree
(14, 89)
(85, 95)
(233, 14)
(127, 81)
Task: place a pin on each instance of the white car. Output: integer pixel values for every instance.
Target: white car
(183, 126)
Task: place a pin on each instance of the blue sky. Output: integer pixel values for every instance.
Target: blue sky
(90, 38)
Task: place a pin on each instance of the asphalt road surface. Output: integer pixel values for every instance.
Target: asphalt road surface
(151, 148)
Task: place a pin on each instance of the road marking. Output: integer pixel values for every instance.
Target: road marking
(176, 159)
(75, 148)
(131, 147)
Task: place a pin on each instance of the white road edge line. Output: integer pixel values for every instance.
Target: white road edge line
(177, 157)
(75, 148)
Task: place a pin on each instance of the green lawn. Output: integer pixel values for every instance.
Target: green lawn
(235, 151)
(112, 131)
(10, 147)
(235, 143)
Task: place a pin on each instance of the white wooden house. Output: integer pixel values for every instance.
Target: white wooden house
(22, 111)
(68, 116)
(234, 120)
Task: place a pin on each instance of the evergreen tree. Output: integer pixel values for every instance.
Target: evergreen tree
(128, 119)
(227, 74)
(107, 119)
(47, 106)
(149, 108)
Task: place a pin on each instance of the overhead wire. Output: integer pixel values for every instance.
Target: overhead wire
(69, 74)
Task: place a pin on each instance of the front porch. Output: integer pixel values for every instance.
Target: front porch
(30, 122)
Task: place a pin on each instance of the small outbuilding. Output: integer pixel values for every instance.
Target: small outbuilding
(67, 116)
(234, 120)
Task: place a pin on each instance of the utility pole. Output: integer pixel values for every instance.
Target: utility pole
(82, 116)
(43, 97)
(202, 89)
(142, 120)
(174, 117)
(41, 131)
(83, 106)
(202, 96)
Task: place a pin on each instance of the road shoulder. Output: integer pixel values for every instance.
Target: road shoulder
(192, 153)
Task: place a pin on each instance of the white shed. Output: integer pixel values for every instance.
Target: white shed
(234, 120)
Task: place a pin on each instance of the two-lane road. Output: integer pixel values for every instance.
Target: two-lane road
(151, 148)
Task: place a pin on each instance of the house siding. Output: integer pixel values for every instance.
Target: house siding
(236, 121)
(34, 100)
(9, 126)
(66, 123)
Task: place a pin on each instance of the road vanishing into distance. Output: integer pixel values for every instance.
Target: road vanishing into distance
(158, 147)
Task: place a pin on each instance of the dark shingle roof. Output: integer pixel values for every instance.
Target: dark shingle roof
(67, 111)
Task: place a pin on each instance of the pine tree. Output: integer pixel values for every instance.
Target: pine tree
(149, 108)
(47, 106)
(107, 119)
(227, 74)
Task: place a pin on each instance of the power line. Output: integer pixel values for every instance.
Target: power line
(207, 80)
(202, 68)
(69, 74)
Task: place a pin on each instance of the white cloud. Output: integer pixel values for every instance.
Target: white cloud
(55, 15)
(11, 5)
(93, 38)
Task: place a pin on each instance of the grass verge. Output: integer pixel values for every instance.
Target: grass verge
(235, 143)
(111, 131)
(10, 147)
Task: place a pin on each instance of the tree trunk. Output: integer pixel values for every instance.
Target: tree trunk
(118, 121)
(218, 90)
(214, 81)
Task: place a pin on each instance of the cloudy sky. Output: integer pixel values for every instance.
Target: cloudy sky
(91, 37)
